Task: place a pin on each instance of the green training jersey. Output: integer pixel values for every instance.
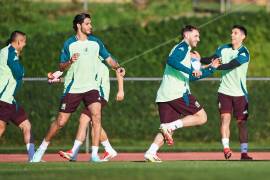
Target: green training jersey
(82, 74)
(233, 81)
(104, 81)
(11, 74)
(175, 82)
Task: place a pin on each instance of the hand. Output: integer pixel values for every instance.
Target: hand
(120, 96)
(216, 63)
(54, 77)
(195, 55)
(121, 71)
(197, 73)
(74, 57)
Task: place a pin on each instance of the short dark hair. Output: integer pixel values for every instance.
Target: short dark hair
(241, 28)
(14, 35)
(78, 19)
(188, 28)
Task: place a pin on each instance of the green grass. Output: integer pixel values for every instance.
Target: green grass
(184, 170)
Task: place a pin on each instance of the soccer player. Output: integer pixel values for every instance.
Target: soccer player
(104, 90)
(11, 74)
(232, 92)
(80, 57)
(174, 97)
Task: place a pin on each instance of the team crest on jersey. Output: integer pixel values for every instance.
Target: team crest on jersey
(63, 106)
(197, 104)
(85, 49)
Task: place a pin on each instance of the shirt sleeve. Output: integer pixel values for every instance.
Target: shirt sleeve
(15, 66)
(176, 57)
(103, 52)
(242, 57)
(65, 54)
(205, 73)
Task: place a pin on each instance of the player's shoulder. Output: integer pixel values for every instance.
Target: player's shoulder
(70, 40)
(92, 37)
(225, 46)
(183, 45)
(243, 49)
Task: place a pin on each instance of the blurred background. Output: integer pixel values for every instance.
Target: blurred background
(140, 34)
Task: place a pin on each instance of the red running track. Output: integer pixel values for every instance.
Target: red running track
(199, 156)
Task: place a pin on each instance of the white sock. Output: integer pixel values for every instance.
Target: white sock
(174, 125)
(244, 147)
(31, 150)
(153, 149)
(44, 145)
(225, 142)
(76, 147)
(107, 146)
(94, 151)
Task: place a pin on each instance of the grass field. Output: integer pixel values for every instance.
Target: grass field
(202, 170)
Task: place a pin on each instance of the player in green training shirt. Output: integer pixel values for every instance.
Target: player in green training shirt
(80, 57)
(174, 98)
(232, 92)
(11, 74)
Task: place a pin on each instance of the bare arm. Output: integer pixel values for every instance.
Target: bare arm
(120, 79)
(66, 65)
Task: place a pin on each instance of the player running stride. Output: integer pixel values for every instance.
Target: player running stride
(80, 57)
(174, 97)
(11, 74)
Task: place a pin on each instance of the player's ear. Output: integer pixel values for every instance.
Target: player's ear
(79, 26)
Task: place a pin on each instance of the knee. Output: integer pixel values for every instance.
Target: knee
(202, 117)
(241, 123)
(61, 121)
(2, 130)
(26, 127)
(96, 116)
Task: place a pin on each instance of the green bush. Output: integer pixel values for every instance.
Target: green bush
(42, 52)
(136, 118)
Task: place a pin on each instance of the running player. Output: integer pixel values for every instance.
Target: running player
(80, 57)
(11, 74)
(232, 92)
(174, 97)
(104, 90)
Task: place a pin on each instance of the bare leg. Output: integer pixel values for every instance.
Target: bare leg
(2, 127)
(57, 125)
(225, 125)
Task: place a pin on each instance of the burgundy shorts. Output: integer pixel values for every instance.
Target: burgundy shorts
(236, 104)
(88, 113)
(71, 101)
(172, 110)
(9, 112)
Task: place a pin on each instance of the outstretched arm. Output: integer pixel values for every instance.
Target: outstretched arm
(120, 94)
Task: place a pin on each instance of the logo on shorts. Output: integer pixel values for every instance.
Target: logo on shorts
(219, 105)
(245, 112)
(197, 104)
(63, 106)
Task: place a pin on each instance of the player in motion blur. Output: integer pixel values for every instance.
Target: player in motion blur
(174, 98)
(85, 118)
(232, 92)
(11, 74)
(80, 57)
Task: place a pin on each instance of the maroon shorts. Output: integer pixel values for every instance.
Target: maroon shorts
(88, 113)
(172, 110)
(236, 104)
(71, 101)
(9, 112)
